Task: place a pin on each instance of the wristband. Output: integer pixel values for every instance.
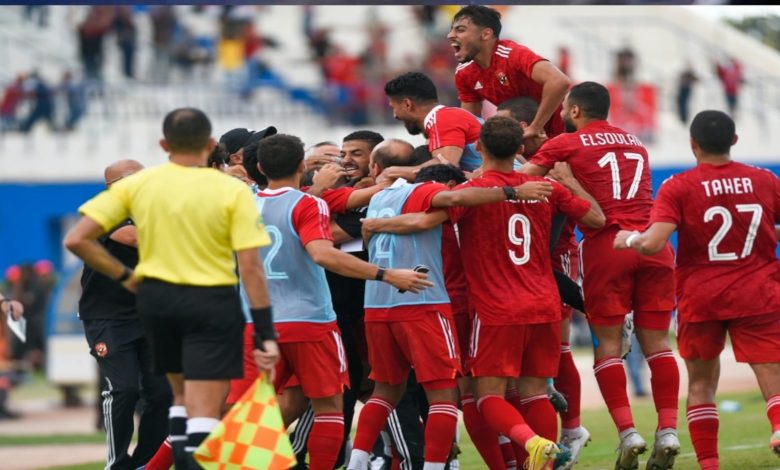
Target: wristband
(263, 319)
(631, 238)
(510, 193)
(380, 274)
(126, 273)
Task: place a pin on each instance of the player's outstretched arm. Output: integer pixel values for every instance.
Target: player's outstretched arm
(450, 153)
(532, 169)
(403, 224)
(466, 197)
(326, 255)
(649, 242)
(81, 240)
(361, 197)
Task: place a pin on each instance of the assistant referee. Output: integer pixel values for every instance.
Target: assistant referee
(190, 220)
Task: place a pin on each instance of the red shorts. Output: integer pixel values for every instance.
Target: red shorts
(428, 344)
(514, 350)
(320, 367)
(463, 329)
(616, 282)
(239, 386)
(567, 262)
(755, 339)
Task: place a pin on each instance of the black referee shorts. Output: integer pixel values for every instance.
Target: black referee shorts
(194, 330)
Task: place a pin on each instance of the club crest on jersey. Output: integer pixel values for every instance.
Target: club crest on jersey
(502, 78)
(101, 349)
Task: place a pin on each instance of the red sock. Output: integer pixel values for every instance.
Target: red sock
(568, 383)
(665, 383)
(508, 453)
(440, 431)
(539, 413)
(484, 439)
(373, 417)
(325, 439)
(773, 411)
(503, 418)
(703, 427)
(611, 377)
(163, 458)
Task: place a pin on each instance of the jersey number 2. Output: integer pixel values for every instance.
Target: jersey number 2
(276, 245)
(610, 158)
(725, 215)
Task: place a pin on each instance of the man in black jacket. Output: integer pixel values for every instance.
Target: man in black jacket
(116, 340)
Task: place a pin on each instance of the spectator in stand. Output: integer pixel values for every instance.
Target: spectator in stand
(730, 75)
(75, 93)
(684, 88)
(625, 65)
(163, 25)
(12, 96)
(124, 27)
(43, 103)
(91, 33)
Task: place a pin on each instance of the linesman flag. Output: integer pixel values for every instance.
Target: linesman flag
(250, 436)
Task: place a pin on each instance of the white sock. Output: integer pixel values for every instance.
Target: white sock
(358, 460)
(434, 466)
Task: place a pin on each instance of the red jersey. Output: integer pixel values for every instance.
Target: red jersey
(726, 261)
(445, 126)
(612, 165)
(336, 198)
(419, 200)
(507, 76)
(454, 276)
(506, 252)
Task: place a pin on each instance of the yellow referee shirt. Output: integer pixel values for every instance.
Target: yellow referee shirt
(190, 220)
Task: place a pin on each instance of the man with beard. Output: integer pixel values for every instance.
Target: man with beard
(452, 133)
(613, 166)
(496, 70)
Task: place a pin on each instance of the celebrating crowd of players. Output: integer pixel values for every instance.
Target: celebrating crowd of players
(455, 300)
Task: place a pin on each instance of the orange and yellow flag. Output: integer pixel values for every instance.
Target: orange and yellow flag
(250, 436)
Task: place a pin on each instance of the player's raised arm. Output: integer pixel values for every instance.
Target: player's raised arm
(555, 84)
(562, 173)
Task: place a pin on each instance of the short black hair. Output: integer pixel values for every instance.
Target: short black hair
(713, 131)
(385, 157)
(250, 164)
(279, 155)
(441, 173)
(373, 138)
(482, 16)
(420, 155)
(186, 130)
(521, 108)
(218, 157)
(592, 98)
(501, 137)
(416, 86)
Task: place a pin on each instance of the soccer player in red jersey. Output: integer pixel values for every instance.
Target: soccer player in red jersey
(406, 330)
(451, 132)
(517, 335)
(728, 276)
(565, 260)
(613, 166)
(496, 70)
